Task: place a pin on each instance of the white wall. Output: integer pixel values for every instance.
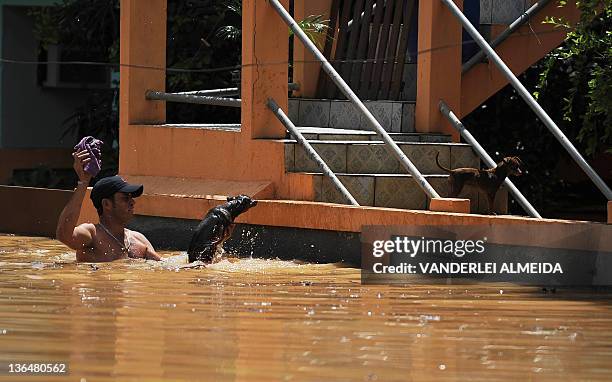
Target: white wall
(32, 116)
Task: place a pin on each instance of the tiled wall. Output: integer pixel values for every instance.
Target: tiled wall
(393, 116)
(502, 11)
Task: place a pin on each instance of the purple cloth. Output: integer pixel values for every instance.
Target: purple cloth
(93, 147)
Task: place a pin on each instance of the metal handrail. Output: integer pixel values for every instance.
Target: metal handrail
(516, 24)
(348, 92)
(272, 105)
(188, 98)
(211, 92)
(215, 97)
(469, 138)
(527, 97)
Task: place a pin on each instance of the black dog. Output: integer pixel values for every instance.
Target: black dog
(486, 180)
(216, 227)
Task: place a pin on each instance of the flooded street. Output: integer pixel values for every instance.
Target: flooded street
(276, 320)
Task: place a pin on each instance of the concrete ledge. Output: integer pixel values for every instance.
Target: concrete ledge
(450, 205)
(31, 211)
(202, 188)
(35, 211)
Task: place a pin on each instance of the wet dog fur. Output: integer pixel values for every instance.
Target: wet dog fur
(216, 227)
(487, 181)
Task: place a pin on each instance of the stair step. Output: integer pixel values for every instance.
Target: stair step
(373, 157)
(396, 191)
(331, 134)
(394, 116)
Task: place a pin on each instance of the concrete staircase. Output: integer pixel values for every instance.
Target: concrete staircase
(363, 163)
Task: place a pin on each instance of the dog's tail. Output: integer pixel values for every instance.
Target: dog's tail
(439, 165)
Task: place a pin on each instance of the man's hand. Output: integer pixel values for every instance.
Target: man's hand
(81, 158)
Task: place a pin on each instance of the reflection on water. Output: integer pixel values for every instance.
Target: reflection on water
(276, 320)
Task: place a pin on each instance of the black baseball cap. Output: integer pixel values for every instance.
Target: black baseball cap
(106, 187)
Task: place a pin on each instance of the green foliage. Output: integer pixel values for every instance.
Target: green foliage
(578, 76)
(315, 29)
(573, 84)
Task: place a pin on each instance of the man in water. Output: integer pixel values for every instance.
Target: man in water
(108, 240)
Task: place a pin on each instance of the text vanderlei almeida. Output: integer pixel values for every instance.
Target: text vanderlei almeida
(404, 246)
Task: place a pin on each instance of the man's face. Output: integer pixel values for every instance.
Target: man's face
(122, 207)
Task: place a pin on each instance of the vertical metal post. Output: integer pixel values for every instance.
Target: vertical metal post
(487, 159)
(346, 90)
(548, 122)
(310, 151)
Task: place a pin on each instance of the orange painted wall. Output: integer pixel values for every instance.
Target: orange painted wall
(438, 67)
(35, 212)
(11, 159)
(199, 153)
(306, 69)
(31, 211)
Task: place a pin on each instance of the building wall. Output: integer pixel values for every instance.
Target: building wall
(31, 116)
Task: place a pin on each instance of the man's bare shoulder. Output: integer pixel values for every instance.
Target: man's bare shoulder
(86, 229)
(137, 234)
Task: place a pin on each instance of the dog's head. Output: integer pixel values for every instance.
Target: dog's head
(239, 204)
(514, 165)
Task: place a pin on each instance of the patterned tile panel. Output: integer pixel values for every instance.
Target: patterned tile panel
(486, 11)
(289, 157)
(294, 110)
(310, 136)
(506, 11)
(410, 82)
(314, 113)
(407, 137)
(399, 192)
(344, 115)
(440, 184)
(463, 156)
(317, 181)
(370, 159)
(435, 138)
(343, 137)
(334, 155)
(407, 118)
(361, 187)
(385, 114)
(396, 126)
(424, 157)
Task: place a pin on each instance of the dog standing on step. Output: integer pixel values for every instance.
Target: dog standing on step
(216, 227)
(487, 181)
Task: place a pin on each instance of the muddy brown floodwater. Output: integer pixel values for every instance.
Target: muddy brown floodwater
(271, 320)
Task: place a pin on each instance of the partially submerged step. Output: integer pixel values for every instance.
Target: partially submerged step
(397, 191)
(374, 156)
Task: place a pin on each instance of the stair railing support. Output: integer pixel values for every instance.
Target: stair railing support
(350, 95)
(469, 138)
(282, 117)
(528, 98)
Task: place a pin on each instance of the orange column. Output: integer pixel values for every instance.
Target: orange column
(439, 67)
(265, 52)
(305, 67)
(143, 63)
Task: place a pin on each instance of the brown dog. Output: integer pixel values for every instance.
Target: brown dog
(488, 181)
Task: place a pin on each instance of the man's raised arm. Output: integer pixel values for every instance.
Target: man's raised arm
(67, 232)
